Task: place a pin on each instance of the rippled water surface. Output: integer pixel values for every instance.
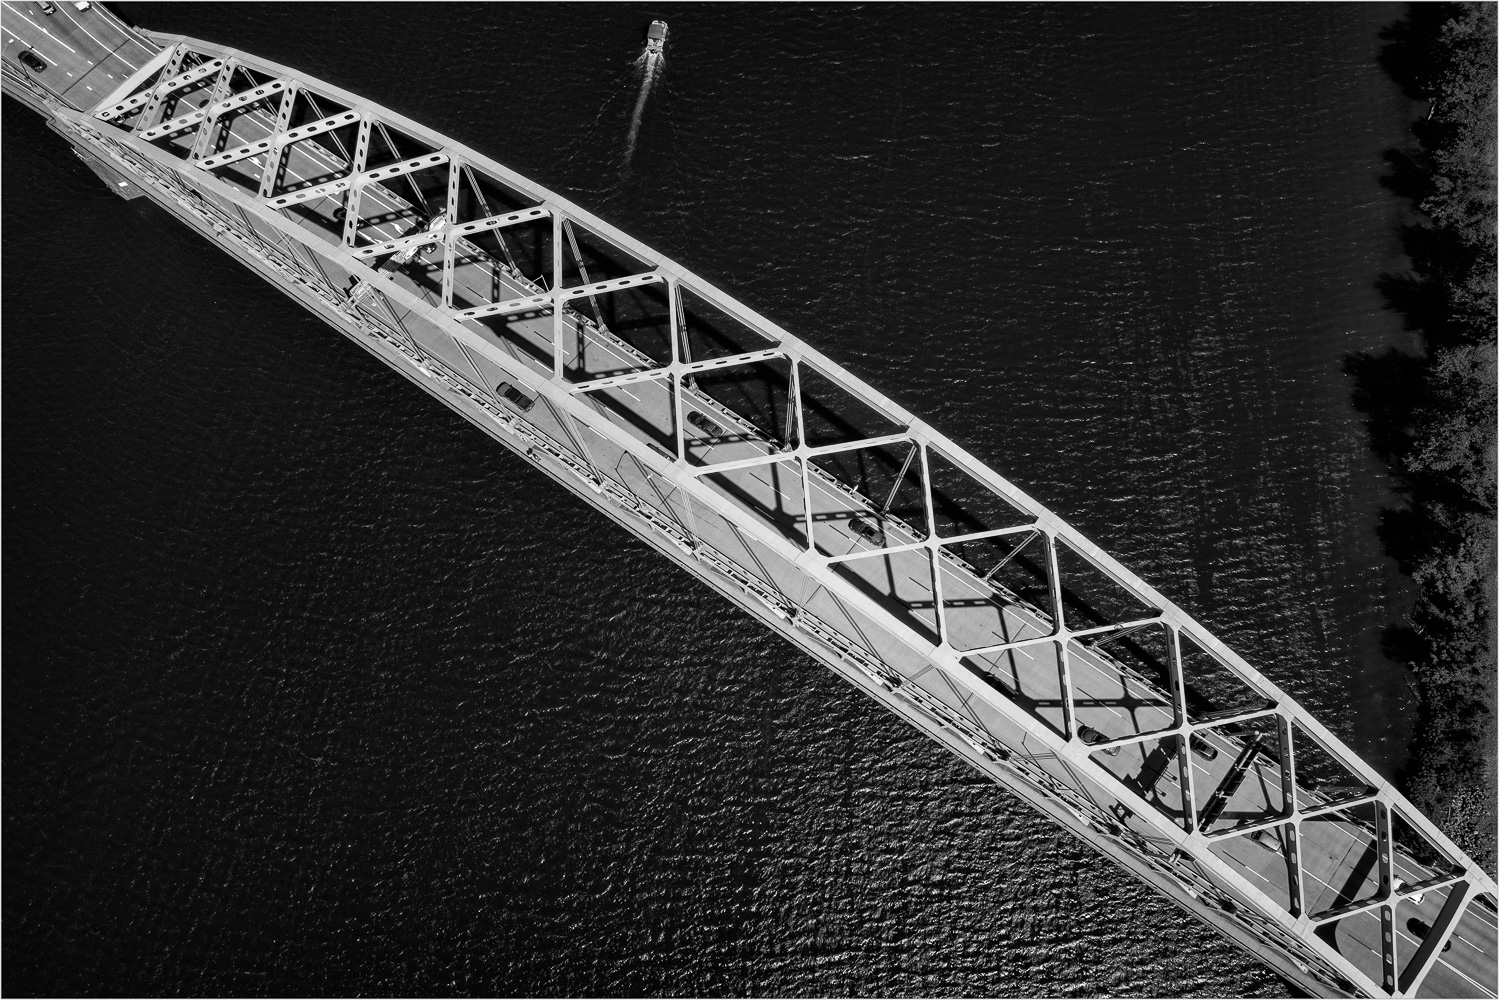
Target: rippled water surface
(310, 687)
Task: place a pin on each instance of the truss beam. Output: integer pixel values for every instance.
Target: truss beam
(1066, 747)
(495, 222)
(162, 90)
(679, 370)
(360, 180)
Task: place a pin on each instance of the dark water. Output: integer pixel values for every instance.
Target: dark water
(310, 687)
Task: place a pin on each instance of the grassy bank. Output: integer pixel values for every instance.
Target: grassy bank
(1432, 413)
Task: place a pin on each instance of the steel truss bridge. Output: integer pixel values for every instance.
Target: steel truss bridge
(815, 502)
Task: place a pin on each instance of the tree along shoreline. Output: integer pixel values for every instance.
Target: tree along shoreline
(1431, 414)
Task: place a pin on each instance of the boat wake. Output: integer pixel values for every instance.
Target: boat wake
(649, 65)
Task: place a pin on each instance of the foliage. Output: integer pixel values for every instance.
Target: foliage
(1439, 437)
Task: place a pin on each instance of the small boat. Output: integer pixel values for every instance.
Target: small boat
(655, 38)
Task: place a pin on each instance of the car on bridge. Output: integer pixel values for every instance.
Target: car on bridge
(868, 528)
(704, 423)
(514, 396)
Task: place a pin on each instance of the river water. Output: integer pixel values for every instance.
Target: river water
(310, 687)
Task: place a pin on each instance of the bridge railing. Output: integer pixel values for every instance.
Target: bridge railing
(533, 287)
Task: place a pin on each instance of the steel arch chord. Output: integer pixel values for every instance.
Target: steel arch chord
(771, 470)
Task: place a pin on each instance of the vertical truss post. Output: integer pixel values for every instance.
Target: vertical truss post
(1387, 944)
(801, 438)
(673, 327)
(277, 151)
(1058, 623)
(356, 190)
(1291, 849)
(674, 380)
(934, 563)
(789, 424)
(1054, 583)
(933, 550)
(794, 406)
(928, 505)
(805, 470)
(1287, 766)
(288, 102)
(1382, 845)
(1291, 837)
(1184, 738)
(210, 123)
(686, 343)
(796, 432)
(173, 67)
(673, 297)
(1177, 676)
(455, 172)
(556, 294)
(1069, 710)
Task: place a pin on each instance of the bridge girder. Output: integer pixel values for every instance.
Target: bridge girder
(368, 196)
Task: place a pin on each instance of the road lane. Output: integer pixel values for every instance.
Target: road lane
(1097, 678)
(88, 53)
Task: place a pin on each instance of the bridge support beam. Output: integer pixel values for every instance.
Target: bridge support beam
(692, 483)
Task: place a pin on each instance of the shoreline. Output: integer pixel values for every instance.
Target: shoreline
(1430, 413)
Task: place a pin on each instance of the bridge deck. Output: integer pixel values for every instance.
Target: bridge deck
(88, 53)
(1337, 856)
(985, 608)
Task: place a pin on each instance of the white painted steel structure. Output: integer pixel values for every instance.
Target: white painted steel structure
(242, 166)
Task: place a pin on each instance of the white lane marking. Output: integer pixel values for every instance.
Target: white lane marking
(1400, 930)
(42, 29)
(1413, 940)
(627, 392)
(81, 28)
(829, 492)
(1256, 874)
(113, 50)
(836, 495)
(1481, 988)
(1407, 935)
(1483, 915)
